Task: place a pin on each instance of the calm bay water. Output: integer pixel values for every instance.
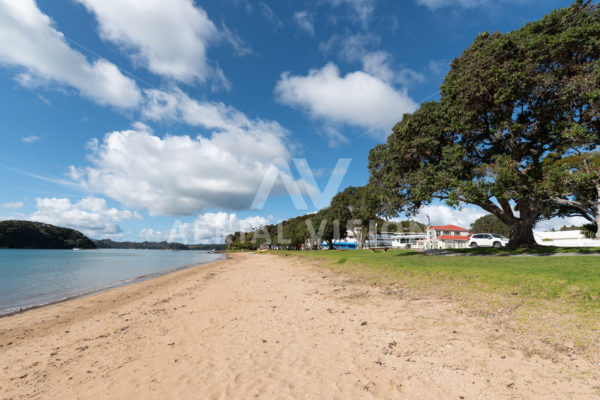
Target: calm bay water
(35, 277)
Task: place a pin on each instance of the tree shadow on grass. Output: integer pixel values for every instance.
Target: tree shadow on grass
(408, 254)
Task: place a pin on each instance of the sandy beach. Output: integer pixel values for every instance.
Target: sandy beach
(263, 326)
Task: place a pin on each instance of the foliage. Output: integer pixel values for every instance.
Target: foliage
(292, 233)
(590, 230)
(37, 235)
(508, 102)
(357, 206)
(329, 224)
(576, 182)
(490, 224)
(570, 228)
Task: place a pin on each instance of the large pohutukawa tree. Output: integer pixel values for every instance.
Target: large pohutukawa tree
(508, 102)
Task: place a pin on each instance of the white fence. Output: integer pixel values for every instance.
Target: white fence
(564, 239)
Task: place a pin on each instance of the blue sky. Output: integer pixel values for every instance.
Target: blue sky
(127, 118)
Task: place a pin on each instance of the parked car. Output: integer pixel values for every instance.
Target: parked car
(487, 240)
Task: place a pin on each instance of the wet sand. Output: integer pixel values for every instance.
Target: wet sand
(262, 326)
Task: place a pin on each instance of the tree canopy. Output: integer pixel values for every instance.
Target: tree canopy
(490, 224)
(357, 206)
(508, 102)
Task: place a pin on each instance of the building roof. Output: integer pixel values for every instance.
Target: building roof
(452, 237)
(448, 228)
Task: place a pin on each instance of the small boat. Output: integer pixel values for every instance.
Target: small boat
(76, 248)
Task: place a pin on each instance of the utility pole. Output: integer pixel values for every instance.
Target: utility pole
(375, 234)
(429, 238)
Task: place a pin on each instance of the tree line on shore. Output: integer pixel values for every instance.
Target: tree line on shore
(15, 234)
(164, 245)
(354, 210)
(37, 235)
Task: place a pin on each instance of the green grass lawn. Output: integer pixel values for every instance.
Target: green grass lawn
(535, 250)
(564, 290)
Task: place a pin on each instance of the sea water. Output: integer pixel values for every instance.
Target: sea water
(30, 278)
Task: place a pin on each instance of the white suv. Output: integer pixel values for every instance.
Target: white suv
(487, 240)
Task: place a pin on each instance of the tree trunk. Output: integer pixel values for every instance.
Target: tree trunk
(363, 237)
(521, 235)
(521, 230)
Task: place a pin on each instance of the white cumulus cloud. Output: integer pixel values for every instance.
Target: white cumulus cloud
(213, 228)
(359, 47)
(169, 38)
(90, 215)
(357, 98)
(183, 175)
(441, 214)
(152, 235)
(29, 41)
(206, 228)
(379, 65)
(178, 106)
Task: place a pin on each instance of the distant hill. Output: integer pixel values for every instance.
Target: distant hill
(110, 244)
(36, 235)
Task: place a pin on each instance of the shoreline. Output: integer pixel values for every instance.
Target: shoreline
(111, 286)
(265, 326)
(89, 305)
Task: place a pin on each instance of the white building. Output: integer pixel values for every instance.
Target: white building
(436, 237)
(385, 239)
(447, 237)
(409, 240)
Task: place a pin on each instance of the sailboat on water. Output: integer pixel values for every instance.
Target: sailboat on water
(76, 248)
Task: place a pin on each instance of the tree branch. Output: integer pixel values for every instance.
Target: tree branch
(506, 208)
(492, 208)
(584, 208)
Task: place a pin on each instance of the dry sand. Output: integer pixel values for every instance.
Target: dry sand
(262, 326)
